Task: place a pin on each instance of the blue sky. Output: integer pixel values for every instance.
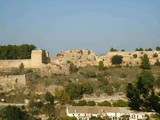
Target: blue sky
(57, 25)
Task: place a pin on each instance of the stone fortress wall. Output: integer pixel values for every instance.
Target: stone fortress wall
(82, 58)
(10, 82)
(38, 58)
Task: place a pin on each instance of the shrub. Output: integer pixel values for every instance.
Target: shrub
(91, 103)
(88, 89)
(120, 103)
(81, 103)
(117, 59)
(155, 55)
(101, 66)
(72, 68)
(113, 50)
(49, 97)
(109, 89)
(90, 74)
(104, 103)
(157, 63)
(157, 82)
(123, 75)
(134, 55)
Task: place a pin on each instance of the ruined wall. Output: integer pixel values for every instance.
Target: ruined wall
(15, 63)
(38, 58)
(83, 58)
(12, 82)
(49, 69)
(80, 58)
(129, 59)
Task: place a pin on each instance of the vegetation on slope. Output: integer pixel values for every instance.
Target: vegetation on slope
(16, 52)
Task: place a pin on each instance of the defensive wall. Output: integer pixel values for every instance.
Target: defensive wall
(38, 58)
(82, 58)
(10, 82)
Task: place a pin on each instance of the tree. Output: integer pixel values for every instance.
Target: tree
(74, 91)
(141, 94)
(61, 95)
(72, 68)
(113, 50)
(149, 49)
(117, 59)
(21, 67)
(145, 64)
(16, 52)
(14, 113)
(139, 49)
(49, 97)
(88, 89)
(101, 66)
(158, 48)
(48, 109)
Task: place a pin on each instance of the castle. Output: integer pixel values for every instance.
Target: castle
(80, 58)
(60, 64)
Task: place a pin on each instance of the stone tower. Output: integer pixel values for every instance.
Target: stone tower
(39, 57)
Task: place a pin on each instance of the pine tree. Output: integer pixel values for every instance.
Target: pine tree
(145, 64)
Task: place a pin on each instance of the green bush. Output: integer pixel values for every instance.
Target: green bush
(134, 55)
(87, 88)
(123, 75)
(91, 103)
(90, 74)
(49, 97)
(157, 82)
(104, 103)
(120, 103)
(117, 59)
(82, 103)
(101, 66)
(157, 63)
(109, 89)
(155, 55)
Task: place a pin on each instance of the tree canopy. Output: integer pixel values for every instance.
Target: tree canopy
(14, 113)
(142, 95)
(49, 97)
(117, 59)
(16, 52)
(145, 64)
(113, 50)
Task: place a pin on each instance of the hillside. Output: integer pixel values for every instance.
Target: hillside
(108, 82)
